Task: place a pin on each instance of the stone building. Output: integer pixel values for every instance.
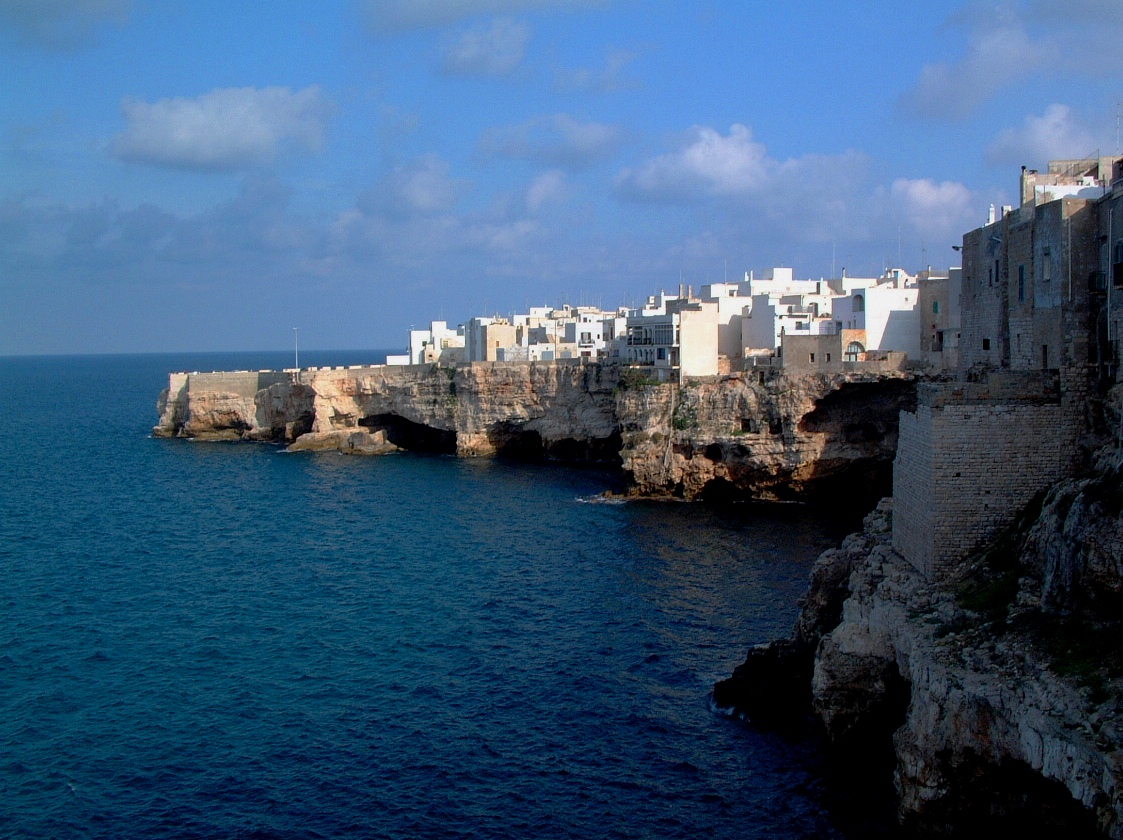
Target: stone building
(1038, 321)
(940, 320)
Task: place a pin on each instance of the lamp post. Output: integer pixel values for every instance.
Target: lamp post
(296, 351)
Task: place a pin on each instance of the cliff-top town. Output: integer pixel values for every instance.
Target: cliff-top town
(1063, 254)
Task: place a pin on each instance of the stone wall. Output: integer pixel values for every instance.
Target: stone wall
(970, 458)
(242, 383)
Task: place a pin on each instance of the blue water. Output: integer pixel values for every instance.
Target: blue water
(226, 640)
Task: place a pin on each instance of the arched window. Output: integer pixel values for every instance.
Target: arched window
(859, 303)
(854, 351)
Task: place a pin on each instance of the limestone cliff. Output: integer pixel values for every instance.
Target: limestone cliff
(781, 436)
(996, 694)
(233, 407)
(765, 435)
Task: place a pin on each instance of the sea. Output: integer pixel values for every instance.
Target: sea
(226, 640)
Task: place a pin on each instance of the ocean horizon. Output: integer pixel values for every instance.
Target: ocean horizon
(229, 640)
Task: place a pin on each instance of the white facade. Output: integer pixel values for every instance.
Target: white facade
(732, 301)
(683, 336)
(692, 334)
(892, 319)
(885, 308)
(436, 344)
(774, 315)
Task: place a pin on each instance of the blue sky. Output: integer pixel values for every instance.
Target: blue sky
(198, 175)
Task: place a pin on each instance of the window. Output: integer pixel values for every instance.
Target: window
(828, 357)
(935, 307)
(986, 343)
(811, 358)
(854, 351)
(859, 303)
(1046, 266)
(1044, 356)
(1021, 284)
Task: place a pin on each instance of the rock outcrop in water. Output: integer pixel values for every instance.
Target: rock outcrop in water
(994, 695)
(764, 435)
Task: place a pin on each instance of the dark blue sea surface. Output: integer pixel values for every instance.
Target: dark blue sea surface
(226, 640)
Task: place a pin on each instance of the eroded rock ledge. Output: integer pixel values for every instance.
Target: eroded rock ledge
(996, 695)
(764, 435)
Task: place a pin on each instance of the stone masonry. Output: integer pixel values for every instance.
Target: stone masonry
(971, 456)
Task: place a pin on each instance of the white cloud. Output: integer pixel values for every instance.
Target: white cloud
(414, 218)
(937, 210)
(608, 79)
(225, 129)
(999, 51)
(1058, 133)
(493, 50)
(1098, 14)
(808, 199)
(60, 24)
(556, 140)
(398, 15)
(707, 164)
(423, 187)
(67, 241)
(546, 188)
(1016, 42)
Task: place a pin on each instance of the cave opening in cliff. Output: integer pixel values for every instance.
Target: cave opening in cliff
(416, 437)
(1004, 798)
(861, 792)
(515, 442)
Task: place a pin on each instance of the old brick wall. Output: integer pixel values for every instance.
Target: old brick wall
(970, 458)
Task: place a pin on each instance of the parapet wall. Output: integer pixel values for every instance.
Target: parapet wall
(243, 383)
(970, 458)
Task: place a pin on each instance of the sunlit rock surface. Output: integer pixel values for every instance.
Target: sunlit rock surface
(767, 435)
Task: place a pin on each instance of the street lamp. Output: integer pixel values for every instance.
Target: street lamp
(296, 351)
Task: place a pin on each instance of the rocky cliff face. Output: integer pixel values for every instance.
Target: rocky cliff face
(280, 412)
(762, 435)
(780, 436)
(995, 694)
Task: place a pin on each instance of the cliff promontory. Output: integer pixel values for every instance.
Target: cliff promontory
(765, 434)
(994, 695)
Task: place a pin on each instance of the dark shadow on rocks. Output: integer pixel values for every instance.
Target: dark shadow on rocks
(416, 437)
(512, 441)
(1004, 800)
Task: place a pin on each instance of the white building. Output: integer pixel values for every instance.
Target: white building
(733, 300)
(438, 344)
(882, 312)
(673, 332)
